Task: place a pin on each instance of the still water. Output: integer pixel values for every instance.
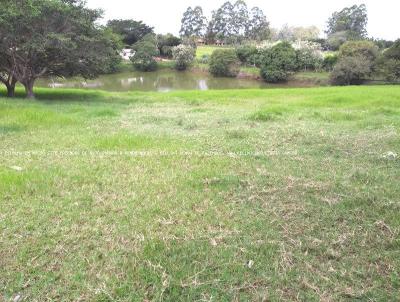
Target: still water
(162, 81)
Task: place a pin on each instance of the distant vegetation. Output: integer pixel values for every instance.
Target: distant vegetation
(81, 47)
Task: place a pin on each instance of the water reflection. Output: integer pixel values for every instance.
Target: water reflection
(162, 81)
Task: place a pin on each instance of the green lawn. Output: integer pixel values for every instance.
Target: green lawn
(246, 195)
(208, 50)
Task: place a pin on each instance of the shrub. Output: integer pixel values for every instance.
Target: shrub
(247, 54)
(351, 70)
(356, 62)
(224, 62)
(336, 40)
(274, 75)
(366, 49)
(183, 56)
(205, 59)
(165, 43)
(144, 52)
(308, 59)
(277, 62)
(390, 62)
(166, 51)
(330, 62)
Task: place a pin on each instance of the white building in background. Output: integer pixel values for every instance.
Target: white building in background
(127, 53)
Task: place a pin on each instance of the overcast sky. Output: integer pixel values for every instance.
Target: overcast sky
(165, 15)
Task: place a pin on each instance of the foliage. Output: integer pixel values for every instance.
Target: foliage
(145, 51)
(233, 23)
(131, 31)
(356, 62)
(190, 41)
(366, 49)
(258, 27)
(351, 20)
(308, 59)
(54, 37)
(277, 62)
(193, 23)
(389, 63)
(330, 61)
(165, 43)
(183, 56)
(336, 40)
(204, 59)
(351, 71)
(383, 44)
(247, 54)
(224, 62)
(273, 74)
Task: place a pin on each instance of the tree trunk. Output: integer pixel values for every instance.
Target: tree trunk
(29, 89)
(11, 88)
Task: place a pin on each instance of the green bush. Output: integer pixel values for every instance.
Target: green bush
(308, 59)
(224, 63)
(183, 56)
(351, 71)
(389, 63)
(247, 54)
(366, 49)
(205, 59)
(357, 60)
(330, 62)
(144, 52)
(278, 62)
(273, 75)
(165, 43)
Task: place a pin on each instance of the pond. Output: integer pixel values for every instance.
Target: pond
(161, 81)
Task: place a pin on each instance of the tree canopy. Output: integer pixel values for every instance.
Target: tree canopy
(350, 20)
(53, 37)
(131, 31)
(193, 22)
(231, 22)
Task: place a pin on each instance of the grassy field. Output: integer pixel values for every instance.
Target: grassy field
(247, 195)
(208, 50)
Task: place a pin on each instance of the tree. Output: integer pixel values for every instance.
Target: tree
(278, 62)
(258, 26)
(308, 33)
(145, 51)
(131, 31)
(390, 62)
(247, 54)
(6, 75)
(165, 43)
(356, 62)
(350, 71)
(53, 37)
(240, 18)
(350, 22)
(286, 33)
(222, 23)
(224, 63)
(366, 49)
(183, 56)
(193, 23)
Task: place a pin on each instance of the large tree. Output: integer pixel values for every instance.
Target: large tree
(234, 22)
(193, 23)
(53, 37)
(6, 74)
(350, 20)
(258, 26)
(131, 31)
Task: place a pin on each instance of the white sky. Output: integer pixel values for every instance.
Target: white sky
(165, 15)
